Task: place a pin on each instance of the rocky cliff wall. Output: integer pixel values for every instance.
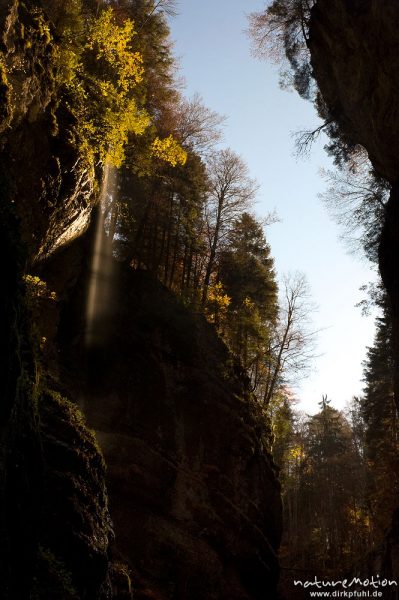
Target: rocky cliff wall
(354, 54)
(54, 521)
(52, 189)
(194, 496)
(355, 60)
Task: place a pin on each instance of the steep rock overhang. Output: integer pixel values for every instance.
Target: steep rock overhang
(354, 47)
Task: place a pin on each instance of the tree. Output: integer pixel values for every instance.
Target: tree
(162, 226)
(105, 90)
(292, 344)
(246, 267)
(283, 428)
(162, 92)
(326, 520)
(197, 126)
(161, 182)
(247, 273)
(381, 436)
(356, 198)
(231, 191)
(340, 521)
(281, 31)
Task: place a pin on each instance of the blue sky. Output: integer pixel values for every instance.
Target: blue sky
(215, 59)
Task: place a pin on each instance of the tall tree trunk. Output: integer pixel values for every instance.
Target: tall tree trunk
(176, 249)
(153, 240)
(184, 269)
(212, 254)
(169, 238)
(140, 237)
(189, 265)
(278, 364)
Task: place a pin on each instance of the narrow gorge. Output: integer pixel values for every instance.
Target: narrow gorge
(148, 448)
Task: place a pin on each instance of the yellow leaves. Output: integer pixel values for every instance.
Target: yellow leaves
(112, 43)
(106, 95)
(119, 125)
(36, 291)
(169, 150)
(217, 303)
(296, 453)
(6, 106)
(36, 287)
(358, 517)
(67, 64)
(248, 303)
(106, 88)
(107, 98)
(217, 296)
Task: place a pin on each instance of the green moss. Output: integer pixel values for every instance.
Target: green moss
(76, 420)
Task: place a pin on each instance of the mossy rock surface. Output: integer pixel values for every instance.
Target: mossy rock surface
(76, 528)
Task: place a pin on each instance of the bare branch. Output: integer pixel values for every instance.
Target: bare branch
(198, 126)
(356, 199)
(304, 139)
(231, 192)
(293, 341)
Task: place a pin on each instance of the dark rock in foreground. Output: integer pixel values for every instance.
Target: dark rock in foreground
(193, 494)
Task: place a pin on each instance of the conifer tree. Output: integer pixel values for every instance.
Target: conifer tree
(246, 271)
(381, 427)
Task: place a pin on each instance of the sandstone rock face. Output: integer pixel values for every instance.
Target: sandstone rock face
(52, 188)
(75, 524)
(354, 53)
(194, 496)
(57, 529)
(354, 47)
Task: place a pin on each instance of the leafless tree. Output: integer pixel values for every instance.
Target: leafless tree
(231, 191)
(198, 126)
(281, 24)
(168, 7)
(356, 199)
(292, 343)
